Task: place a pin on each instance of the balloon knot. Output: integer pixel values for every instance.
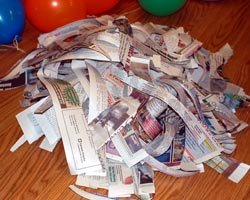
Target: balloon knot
(4, 47)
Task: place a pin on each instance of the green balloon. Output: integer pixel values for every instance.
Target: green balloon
(162, 7)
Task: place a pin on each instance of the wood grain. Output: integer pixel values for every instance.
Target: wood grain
(31, 173)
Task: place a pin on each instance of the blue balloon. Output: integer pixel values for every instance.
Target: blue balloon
(12, 20)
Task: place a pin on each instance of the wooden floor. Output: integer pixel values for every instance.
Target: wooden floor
(31, 173)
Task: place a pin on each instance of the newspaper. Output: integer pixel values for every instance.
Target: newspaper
(47, 146)
(230, 121)
(126, 50)
(79, 68)
(52, 70)
(18, 143)
(63, 32)
(28, 123)
(198, 131)
(187, 164)
(98, 94)
(120, 178)
(128, 145)
(83, 53)
(146, 179)
(112, 43)
(229, 167)
(94, 86)
(88, 195)
(172, 157)
(14, 82)
(49, 125)
(111, 152)
(94, 182)
(167, 170)
(80, 152)
(161, 143)
(110, 120)
(15, 77)
(129, 99)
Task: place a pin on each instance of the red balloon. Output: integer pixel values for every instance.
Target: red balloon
(46, 15)
(99, 6)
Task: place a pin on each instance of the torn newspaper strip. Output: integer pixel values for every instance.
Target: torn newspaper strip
(76, 135)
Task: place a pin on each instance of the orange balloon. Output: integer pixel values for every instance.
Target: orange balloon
(46, 15)
(99, 6)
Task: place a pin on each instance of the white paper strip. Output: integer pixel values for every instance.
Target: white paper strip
(45, 145)
(239, 173)
(18, 143)
(87, 195)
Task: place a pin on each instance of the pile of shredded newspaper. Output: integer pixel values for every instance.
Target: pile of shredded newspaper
(128, 100)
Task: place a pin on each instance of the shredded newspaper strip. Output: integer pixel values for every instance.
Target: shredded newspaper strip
(127, 100)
